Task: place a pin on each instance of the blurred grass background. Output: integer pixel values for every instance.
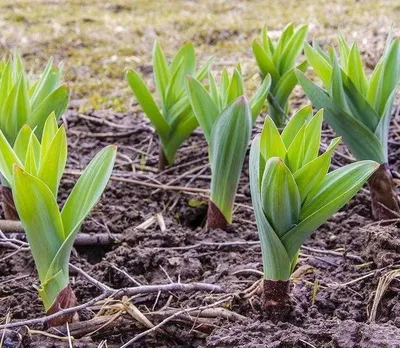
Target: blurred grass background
(97, 40)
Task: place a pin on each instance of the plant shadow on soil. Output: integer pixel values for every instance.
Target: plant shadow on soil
(327, 315)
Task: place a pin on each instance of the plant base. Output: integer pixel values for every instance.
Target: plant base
(385, 202)
(65, 299)
(276, 301)
(8, 205)
(162, 159)
(215, 219)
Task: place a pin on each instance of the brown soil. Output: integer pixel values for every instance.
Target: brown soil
(325, 313)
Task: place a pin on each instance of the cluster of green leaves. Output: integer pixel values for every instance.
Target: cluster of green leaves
(33, 169)
(279, 60)
(357, 108)
(226, 119)
(23, 102)
(173, 120)
(291, 189)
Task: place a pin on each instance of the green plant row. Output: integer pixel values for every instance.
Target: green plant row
(292, 190)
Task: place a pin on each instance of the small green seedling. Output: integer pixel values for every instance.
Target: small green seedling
(23, 102)
(227, 130)
(279, 60)
(293, 194)
(359, 109)
(173, 119)
(33, 170)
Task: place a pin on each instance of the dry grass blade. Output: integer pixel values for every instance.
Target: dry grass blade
(383, 284)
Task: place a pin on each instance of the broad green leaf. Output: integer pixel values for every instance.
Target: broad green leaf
(295, 123)
(161, 71)
(148, 104)
(88, 189)
(204, 107)
(214, 92)
(174, 89)
(228, 144)
(7, 159)
(180, 134)
(292, 49)
(271, 144)
(326, 199)
(203, 72)
(344, 52)
(49, 131)
(295, 152)
(312, 136)
(258, 99)
(337, 89)
(15, 110)
(187, 55)
(40, 217)
(287, 34)
(287, 83)
(236, 88)
(21, 143)
(360, 140)
(53, 163)
(320, 65)
(56, 102)
(355, 70)
(5, 83)
(310, 175)
(30, 165)
(265, 63)
(276, 262)
(280, 196)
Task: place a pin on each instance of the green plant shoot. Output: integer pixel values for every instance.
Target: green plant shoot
(278, 59)
(359, 109)
(293, 194)
(34, 170)
(23, 102)
(173, 119)
(227, 133)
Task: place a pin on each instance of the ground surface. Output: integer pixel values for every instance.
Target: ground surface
(333, 294)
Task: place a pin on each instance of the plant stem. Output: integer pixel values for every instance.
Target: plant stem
(215, 218)
(276, 301)
(10, 212)
(162, 159)
(385, 202)
(65, 299)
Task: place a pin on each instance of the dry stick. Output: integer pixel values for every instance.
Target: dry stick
(115, 293)
(102, 121)
(82, 239)
(166, 320)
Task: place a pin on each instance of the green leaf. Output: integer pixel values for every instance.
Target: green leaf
(53, 162)
(40, 217)
(310, 175)
(49, 131)
(56, 102)
(355, 70)
(312, 136)
(148, 104)
(88, 189)
(228, 144)
(326, 199)
(279, 196)
(321, 66)
(187, 55)
(286, 35)
(258, 99)
(360, 140)
(31, 163)
(276, 262)
(204, 107)
(21, 143)
(295, 123)
(292, 49)
(271, 144)
(15, 110)
(296, 151)
(7, 159)
(161, 71)
(236, 88)
(265, 63)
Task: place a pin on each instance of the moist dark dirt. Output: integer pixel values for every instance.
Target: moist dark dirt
(332, 294)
